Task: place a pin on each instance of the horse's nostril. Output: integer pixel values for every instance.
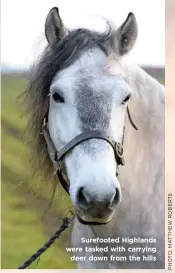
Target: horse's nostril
(81, 199)
(116, 198)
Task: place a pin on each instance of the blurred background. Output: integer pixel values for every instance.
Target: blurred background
(25, 225)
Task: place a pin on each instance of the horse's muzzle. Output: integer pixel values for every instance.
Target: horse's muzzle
(91, 209)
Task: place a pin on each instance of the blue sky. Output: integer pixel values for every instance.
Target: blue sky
(22, 26)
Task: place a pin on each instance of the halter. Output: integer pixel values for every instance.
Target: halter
(58, 156)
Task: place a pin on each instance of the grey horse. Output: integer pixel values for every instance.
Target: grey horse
(85, 81)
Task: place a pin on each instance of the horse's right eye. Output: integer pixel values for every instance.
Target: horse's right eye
(57, 97)
(126, 99)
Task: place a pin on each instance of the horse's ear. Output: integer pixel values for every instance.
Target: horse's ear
(54, 28)
(125, 36)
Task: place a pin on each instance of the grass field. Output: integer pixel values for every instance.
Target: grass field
(24, 200)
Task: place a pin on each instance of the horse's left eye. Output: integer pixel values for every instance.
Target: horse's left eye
(126, 99)
(57, 97)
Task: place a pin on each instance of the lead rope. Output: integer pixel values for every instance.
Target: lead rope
(65, 224)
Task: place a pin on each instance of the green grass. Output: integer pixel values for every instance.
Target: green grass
(22, 234)
(24, 199)
(12, 87)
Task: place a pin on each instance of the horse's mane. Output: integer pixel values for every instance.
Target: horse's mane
(36, 99)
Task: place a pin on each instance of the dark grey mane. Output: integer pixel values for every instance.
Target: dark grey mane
(60, 56)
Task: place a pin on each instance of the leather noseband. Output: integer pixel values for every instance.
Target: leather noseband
(57, 157)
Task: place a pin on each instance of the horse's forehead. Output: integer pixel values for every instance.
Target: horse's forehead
(93, 65)
(89, 62)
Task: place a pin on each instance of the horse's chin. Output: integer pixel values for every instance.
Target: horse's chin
(88, 219)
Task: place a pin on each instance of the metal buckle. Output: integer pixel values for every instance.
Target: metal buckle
(119, 149)
(119, 152)
(45, 122)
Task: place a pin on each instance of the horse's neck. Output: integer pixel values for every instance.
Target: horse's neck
(142, 147)
(146, 107)
(147, 91)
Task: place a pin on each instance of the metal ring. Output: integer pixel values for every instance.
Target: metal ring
(71, 212)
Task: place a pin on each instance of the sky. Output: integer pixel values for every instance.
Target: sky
(22, 26)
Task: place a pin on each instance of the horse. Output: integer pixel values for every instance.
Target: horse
(88, 96)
